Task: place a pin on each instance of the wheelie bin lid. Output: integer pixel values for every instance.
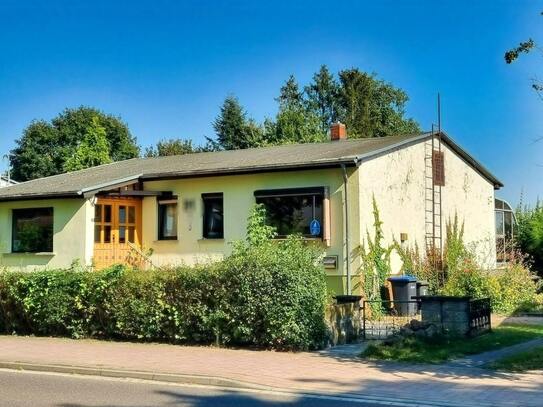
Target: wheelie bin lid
(403, 279)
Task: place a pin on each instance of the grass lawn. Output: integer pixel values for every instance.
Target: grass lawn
(520, 362)
(442, 349)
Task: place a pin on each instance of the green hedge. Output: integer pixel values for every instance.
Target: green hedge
(270, 294)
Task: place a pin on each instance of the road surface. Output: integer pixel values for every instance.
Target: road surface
(31, 389)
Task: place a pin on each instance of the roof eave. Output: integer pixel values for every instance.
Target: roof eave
(350, 161)
(34, 197)
(471, 160)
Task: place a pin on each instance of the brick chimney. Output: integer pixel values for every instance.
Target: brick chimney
(338, 131)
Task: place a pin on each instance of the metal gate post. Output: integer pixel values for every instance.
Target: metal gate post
(364, 320)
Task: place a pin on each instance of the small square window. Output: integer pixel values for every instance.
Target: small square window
(167, 220)
(213, 216)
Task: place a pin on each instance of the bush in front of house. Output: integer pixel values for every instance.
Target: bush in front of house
(268, 294)
(276, 296)
(512, 288)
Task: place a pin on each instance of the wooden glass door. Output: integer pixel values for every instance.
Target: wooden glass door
(117, 226)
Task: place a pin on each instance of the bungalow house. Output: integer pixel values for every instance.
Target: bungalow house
(187, 209)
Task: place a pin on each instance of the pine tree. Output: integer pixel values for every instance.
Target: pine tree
(323, 97)
(289, 95)
(234, 130)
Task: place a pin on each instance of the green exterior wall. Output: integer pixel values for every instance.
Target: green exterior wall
(70, 241)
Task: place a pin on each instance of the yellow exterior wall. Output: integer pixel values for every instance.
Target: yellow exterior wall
(397, 180)
(71, 223)
(238, 194)
(471, 196)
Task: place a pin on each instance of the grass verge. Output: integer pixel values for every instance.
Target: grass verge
(441, 349)
(520, 362)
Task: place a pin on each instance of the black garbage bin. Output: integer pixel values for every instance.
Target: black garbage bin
(403, 289)
(422, 288)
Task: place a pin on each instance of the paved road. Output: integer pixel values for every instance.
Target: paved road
(26, 389)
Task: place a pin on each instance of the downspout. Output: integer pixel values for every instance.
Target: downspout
(347, 242)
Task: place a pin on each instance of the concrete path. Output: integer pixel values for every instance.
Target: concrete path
(300, 373)
(349, 351)
(482, 359)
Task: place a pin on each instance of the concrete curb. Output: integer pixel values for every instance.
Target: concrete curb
(134, 374)
(218, 382)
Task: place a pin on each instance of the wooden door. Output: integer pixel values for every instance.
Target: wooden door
(117, 224)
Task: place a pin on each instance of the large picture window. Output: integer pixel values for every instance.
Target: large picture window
(294, 211)
(32, 230)
(167, 219)
(213, 216)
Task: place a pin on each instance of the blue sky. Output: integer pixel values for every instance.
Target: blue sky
(166, 66)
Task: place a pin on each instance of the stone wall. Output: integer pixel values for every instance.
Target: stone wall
(449, 314)
(343, 322)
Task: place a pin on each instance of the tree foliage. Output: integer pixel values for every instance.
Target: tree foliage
(166, 147)
(367, 105)
(370, 107)
(530, 233)
(294, 123)
(525, 47)
(45, 147)
(92, 151)
(234, 129)
(322, 97)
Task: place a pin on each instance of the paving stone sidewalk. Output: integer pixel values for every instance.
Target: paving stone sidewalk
(318, 372)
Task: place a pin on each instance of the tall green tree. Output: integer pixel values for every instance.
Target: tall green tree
(234, 129)
(294, 123)
(92, 151)
(323, 97)
(44, 147)
(371, 107)
(72, 124)
(38, 152)
(290, 95)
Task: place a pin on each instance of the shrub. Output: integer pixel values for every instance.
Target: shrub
(530, 233)
(276, 295)
(419, 266)
(267, 293)
(510, 289)
(276, 290)
(375, 261)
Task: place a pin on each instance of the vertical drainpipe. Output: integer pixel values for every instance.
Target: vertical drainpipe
(347, 242)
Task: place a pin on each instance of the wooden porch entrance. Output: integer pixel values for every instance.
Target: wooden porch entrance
(117, 227)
